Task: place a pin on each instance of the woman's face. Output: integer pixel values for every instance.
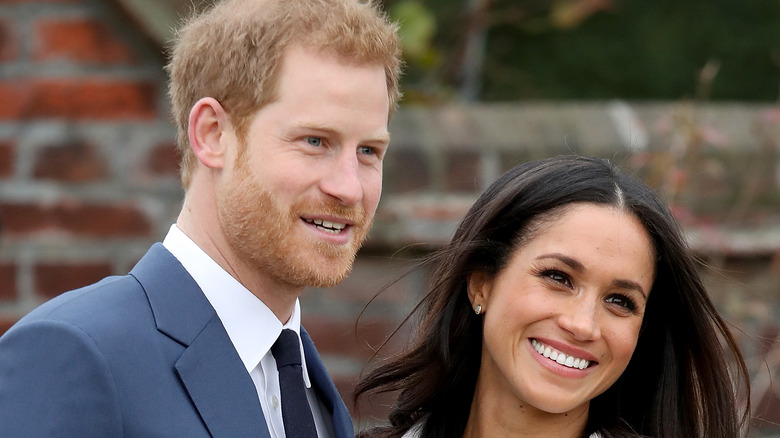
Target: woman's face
(562, 319)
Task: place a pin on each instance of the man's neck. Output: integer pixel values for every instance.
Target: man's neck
(279, 297)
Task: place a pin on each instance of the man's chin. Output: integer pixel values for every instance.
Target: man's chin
(325, 283)
(317, 265)
(330, 271)
(317, 279)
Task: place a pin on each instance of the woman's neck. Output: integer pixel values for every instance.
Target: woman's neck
(492, 416)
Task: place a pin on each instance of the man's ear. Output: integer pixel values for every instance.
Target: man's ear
(479, 285)
(209, 128)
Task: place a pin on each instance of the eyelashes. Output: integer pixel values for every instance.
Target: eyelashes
(557, 276)
(621, 302)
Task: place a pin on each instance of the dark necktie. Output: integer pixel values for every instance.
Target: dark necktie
(296, 413)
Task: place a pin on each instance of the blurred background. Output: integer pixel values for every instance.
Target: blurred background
(682, 94)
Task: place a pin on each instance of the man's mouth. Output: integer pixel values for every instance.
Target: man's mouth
(557, 356)
(327, 226)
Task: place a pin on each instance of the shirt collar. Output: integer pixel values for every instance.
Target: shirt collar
(251, 325)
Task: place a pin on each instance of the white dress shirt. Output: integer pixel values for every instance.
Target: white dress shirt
(252, 327)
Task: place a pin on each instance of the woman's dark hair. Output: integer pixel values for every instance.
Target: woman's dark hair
(678, 382)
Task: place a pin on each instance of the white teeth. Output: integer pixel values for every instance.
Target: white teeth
(557, 356)
(331, 227)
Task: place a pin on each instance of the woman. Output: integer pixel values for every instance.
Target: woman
(566, 305)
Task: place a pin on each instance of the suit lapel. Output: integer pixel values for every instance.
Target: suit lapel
(209, 366)
(227, 401)
(342, 423)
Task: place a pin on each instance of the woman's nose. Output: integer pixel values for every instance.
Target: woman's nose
(580, 318)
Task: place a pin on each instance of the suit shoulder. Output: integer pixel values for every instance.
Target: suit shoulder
(56, 369)
(99, 305)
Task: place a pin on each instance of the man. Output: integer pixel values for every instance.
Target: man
(282, 109)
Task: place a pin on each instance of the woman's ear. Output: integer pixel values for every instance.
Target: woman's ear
(479, 285)
(208, 127)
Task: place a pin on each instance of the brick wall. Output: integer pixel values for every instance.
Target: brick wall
(87, 164)
(88, 181)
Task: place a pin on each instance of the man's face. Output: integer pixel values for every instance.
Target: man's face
(301, 196)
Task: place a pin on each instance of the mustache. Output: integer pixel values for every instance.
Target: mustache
(356, 215)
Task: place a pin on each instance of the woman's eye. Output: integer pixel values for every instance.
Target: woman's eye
(622, 301)
(558, 277)
(314, 141)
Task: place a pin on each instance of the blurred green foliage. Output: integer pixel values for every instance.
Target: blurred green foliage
(594, 49)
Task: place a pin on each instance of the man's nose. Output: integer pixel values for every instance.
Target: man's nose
(342, 179)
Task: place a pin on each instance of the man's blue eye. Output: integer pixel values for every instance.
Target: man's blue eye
(314, 141)
(365, 150)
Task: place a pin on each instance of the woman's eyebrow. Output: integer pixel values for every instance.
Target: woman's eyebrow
(573, 263)
(579, 267)
(631, 285)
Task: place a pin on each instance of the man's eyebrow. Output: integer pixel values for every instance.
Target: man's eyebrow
(381, 137)
(579, 267)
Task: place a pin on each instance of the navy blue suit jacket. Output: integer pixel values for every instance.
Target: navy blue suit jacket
(141, 355)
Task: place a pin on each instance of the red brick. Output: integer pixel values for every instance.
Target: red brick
(774, 264)
(765, 344)
(75, 218)
(368, 409)
(406, 170)
(9, 43)
(74, 162)
(368, 275)
(82, 40)
(54, 279)
(163, 160)
(6, 321)
(768, 411)
(462, 173)
(2, 2)
(80, 99)
(7, 152)
(7, 282)
(345, 385)
(338, 336)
